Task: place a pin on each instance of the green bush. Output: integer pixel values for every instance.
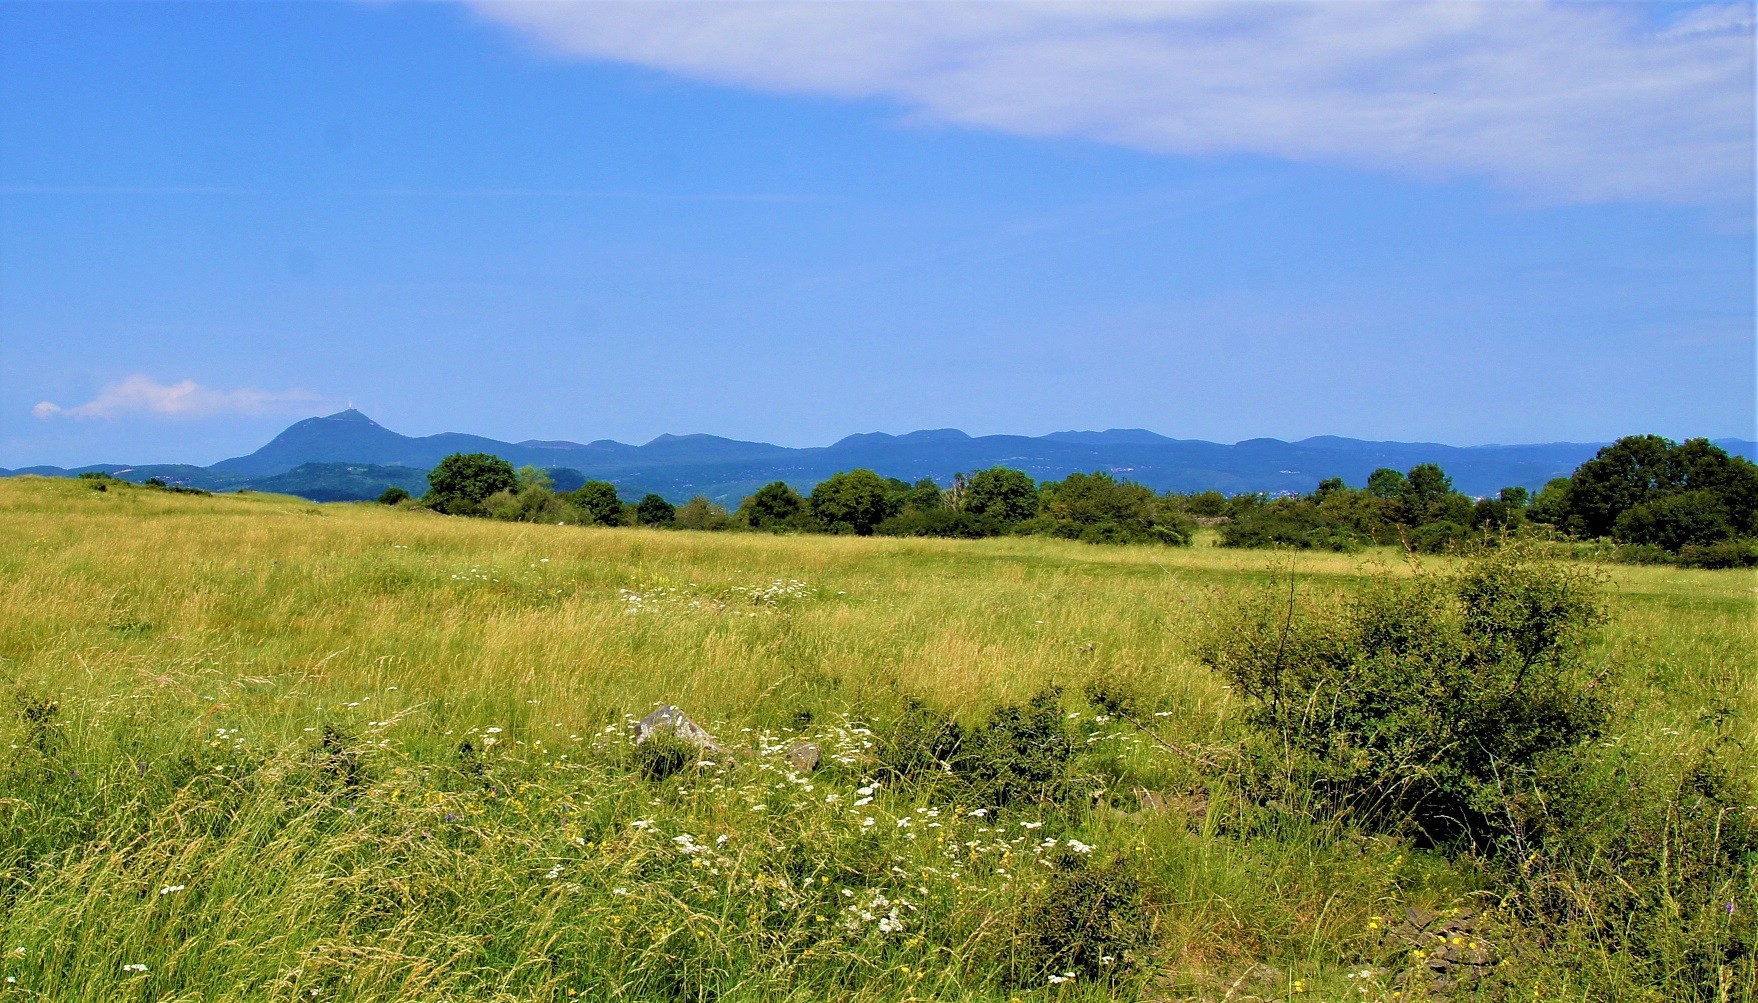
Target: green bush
(1435, 537)
(1090, 923)
(1021, 754)
(700, 513)
(1419, 702)
(393, 496)
(1726, 554)
(943, 522)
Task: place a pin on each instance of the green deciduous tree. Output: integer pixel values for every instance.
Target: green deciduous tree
(774, 507)
(598, 503)
(855, 501)
(1002, 494)
(463, 481)
(653, 510)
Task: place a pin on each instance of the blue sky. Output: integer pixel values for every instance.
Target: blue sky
(1502, 223)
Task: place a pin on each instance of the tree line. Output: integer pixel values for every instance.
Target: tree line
(1649, 497)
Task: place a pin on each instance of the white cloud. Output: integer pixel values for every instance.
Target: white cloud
(141, 395)
(1562, 101)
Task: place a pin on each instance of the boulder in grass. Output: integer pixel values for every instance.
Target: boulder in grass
(669, 720)
(803, 756)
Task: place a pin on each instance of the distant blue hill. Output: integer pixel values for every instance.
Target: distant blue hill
(348, 455)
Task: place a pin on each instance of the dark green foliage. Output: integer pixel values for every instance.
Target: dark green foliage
(1648, 489)
(775, 507)
(38, 714)
(1021, 754)
(1417, 701)
(1207, 504)
(855, 501)
(1091, 921)
(160, 484)
(1436, 537)
(1421, 511)
(1725, 554)
(653, 510)
(941, 522)
(1551, 506)
(1386, 484)
(1098, 508)
(598, 504)
(1296, 522)
(393, 496)
(338, 760)
(921, 497)
(1426, 497)
(1674, 521)
(1001, 494)
(463, 481)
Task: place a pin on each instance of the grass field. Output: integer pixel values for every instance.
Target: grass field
(236, 765)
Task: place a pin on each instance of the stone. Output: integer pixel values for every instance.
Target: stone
(670, 720)
(803, 756)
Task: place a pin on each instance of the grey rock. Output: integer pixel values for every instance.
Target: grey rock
(670, 720)
(804, 756)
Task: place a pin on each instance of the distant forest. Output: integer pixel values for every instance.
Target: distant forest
(1646, 498)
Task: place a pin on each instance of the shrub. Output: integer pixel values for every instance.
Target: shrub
(393, 496)
(965, 525)
(1673, 521)
(1641, 553)
(922, 741)
(1435, 537)
(1090, 921)
(1419, 701)
(1021, 754)
(1726, 554)
(663, 755)
(1098, 508)
(700, 513)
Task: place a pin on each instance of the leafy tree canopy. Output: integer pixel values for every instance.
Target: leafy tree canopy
(598, 503)
(653, 510)
(775, 506)
(1001, 494)
(465, 480)
(856, 502)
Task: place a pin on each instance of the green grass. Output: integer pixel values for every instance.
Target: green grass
(200, 649)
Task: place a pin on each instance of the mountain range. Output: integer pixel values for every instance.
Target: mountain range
(346, 456)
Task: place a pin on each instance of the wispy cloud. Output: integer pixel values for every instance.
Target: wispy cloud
(1562, 101)
(142, 395)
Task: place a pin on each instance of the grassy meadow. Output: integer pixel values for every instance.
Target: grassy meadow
(259, 748)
